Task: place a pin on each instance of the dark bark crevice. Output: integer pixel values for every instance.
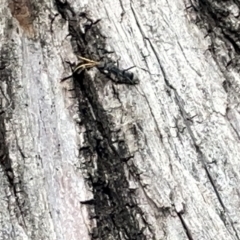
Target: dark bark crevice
(114, 204)
(186, 228)
(116, 211)
(222, 27)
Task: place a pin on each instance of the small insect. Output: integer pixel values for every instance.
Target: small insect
(108, 68)
(116, 74)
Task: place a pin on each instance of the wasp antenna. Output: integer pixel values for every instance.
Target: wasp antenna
(87, 60)
(79, 66)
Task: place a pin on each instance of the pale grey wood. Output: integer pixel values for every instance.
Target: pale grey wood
(186, 142)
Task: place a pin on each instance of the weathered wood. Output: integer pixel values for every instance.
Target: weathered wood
(88, 158)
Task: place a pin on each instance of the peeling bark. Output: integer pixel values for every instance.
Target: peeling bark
(146, 153)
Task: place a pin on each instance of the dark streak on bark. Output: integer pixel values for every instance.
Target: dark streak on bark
(187, 230)
(223, 28)
(123, 10)
(224, 31)
(114, 203)
(15, 185)
(115, 206)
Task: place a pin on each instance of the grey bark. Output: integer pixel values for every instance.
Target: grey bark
(95, 158)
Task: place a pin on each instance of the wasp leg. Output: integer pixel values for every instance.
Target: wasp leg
(71, 65)
(64, 79)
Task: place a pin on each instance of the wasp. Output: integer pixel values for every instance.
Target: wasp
(116, 74)
(108, 68)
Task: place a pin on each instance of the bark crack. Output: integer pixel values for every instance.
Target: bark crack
(187, 230)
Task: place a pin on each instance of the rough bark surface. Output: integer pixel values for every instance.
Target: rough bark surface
(94, 157)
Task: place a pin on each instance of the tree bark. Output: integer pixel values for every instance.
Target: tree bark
(106, 154)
